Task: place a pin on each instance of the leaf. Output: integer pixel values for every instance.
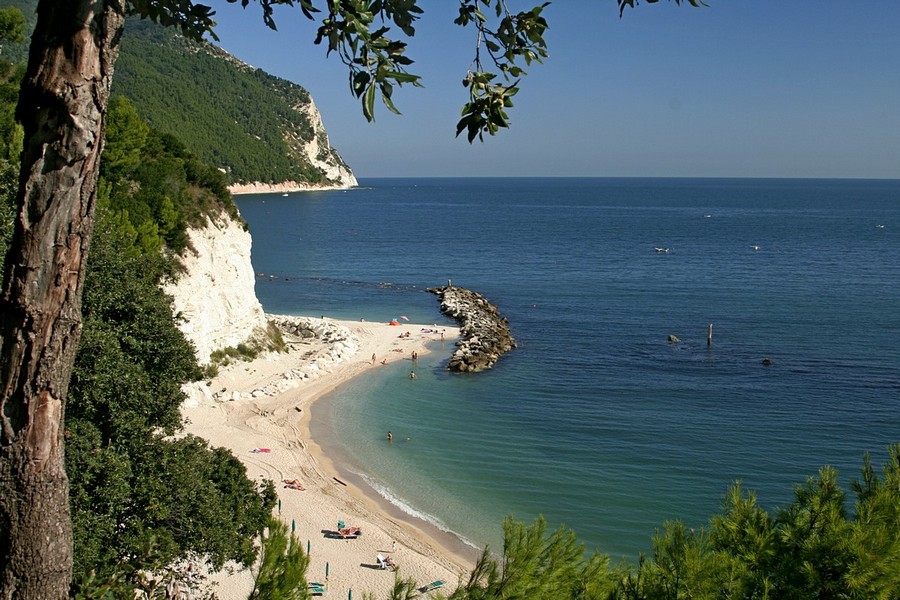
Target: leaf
(369, 103)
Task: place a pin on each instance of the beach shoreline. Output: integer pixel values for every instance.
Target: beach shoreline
(286, 187)
(262, 410)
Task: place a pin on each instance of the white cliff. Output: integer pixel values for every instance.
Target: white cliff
(319, 149)
(215, 296)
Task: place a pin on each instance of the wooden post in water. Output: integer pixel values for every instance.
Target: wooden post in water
(709, 335)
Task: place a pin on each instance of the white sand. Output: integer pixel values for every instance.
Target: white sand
(280, 423)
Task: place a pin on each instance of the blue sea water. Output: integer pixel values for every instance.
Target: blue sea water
(595, 421)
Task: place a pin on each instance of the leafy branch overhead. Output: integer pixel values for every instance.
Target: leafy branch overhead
(517, 37)
(357, 31)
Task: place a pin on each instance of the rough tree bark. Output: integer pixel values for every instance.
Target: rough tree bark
(62, 107)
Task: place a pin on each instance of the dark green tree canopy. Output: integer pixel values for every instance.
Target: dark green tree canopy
(12, 25)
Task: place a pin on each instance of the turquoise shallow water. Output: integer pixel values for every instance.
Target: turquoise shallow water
(596, 421)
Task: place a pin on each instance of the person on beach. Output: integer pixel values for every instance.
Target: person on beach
(373, 359)
(412, 374)
(415, 356)
(384, 361)
(390, 436)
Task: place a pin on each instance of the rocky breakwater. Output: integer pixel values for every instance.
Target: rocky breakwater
(485, 334)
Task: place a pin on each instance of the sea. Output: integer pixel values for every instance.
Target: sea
(596, 421)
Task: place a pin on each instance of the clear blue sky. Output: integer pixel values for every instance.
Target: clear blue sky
(768, 88)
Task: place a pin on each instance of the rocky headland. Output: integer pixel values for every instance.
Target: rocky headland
(485, 334)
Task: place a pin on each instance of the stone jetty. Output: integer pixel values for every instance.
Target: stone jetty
(485, 334)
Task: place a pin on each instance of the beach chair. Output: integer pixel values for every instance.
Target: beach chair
(391, 565)
(386, 562)
(349, 533)
(316, 589)
(431, 586)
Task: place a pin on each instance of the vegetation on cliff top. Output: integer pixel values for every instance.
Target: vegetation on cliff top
(229, 114)
(225, 112)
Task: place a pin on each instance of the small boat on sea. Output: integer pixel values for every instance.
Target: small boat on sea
(661, 250)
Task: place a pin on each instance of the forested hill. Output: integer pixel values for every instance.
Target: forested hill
(254, 125)
(257, 127)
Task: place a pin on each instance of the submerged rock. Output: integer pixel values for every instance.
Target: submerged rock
(485, 334)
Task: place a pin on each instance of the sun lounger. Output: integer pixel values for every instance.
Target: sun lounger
(431, 586)
(386, 562)
(316, 590)
(349, 533)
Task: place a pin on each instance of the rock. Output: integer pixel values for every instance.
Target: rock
(485, 334)
(214, 295)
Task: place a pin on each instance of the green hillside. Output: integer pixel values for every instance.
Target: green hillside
(233, 116)
(224, 111)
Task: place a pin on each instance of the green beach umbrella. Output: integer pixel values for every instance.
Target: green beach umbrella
(307, 546)
(326, 570)
(279, 506)
(293, 526)
(349, 594)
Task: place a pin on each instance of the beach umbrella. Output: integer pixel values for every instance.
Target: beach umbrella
(326, 570)
(293, 526)
(349, 594)
(279, 506)
(307, 546)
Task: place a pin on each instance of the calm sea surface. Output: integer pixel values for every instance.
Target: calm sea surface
(595, 421)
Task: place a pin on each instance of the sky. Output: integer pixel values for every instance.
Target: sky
(768, 88)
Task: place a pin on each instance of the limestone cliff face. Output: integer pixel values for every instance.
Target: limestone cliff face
(215, 297)
(318, 149)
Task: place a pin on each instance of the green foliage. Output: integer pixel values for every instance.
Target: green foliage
(248, 126)
(152, 181)
(9, 179)
(812, 549)
(272, 341)
(535, 565)
(126, 136)
(813, 540)
(361, 33)
(376, 62)
(744, 538)
(224, 356)
(131, 486)
(516, 37)
(10, 145)
(14, 47)
(12, 25)
(11, 133)
(875, 538)
(281, 574)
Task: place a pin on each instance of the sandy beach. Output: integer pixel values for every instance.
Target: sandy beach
(260, 411)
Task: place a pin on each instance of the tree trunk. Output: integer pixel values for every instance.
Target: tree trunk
(62, 107)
